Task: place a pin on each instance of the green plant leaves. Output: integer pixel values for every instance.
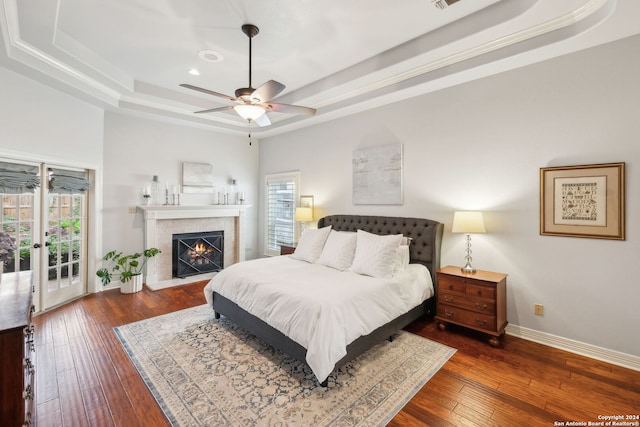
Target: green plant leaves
(124, 267)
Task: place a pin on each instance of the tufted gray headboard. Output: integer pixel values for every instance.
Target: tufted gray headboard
(426, 234)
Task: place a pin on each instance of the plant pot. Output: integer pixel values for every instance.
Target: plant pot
(133, 285)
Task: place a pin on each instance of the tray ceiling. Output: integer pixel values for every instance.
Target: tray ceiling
(339, 57)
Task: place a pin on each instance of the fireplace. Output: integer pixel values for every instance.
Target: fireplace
(197, 253)
(162, 222)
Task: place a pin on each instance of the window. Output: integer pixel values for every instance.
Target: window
(281, 196)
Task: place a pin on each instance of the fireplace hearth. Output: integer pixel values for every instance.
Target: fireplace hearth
(197, 253)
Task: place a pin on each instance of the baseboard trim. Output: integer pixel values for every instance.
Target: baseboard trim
(599, 353)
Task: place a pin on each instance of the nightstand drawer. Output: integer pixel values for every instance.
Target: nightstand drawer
(467, 318)
(452, 314)
(482, 321)
(481, 291)
(450, 283)
(467, 302)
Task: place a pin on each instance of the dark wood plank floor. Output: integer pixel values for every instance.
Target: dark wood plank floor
(84, 378)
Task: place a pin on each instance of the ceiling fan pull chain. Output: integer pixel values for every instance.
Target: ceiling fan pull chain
(249, 133)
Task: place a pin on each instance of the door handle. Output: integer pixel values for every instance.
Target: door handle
(37, 245)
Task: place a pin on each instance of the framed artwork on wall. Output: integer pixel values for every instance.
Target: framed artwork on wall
(306, 202)
(377, 175)
(197, 178)
(583, 201)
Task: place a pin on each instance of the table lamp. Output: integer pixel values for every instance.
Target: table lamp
(468, 222)
(303, 216)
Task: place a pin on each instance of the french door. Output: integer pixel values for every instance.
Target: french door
(51, 234)
(63, 257)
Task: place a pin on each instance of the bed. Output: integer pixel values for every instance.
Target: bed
(262, 315)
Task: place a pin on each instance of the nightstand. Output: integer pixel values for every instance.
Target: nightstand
(287, 250)
(473, 300)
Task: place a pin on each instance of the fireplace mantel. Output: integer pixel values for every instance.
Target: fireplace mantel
(155, 236)
(181, 212)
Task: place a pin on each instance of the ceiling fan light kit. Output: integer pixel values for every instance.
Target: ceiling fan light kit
(249, 112)
(254, 103)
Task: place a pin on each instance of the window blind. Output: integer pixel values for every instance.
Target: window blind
(67, 181)
(281, 196)
(17, 178)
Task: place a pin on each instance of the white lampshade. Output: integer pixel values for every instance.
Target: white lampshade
(468, 222)
(304, 215)
(248, 111)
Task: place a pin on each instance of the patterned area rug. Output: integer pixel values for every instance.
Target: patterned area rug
(207, 372)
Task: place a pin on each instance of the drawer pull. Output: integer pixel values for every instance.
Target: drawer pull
(448, 298)
(449, 313)
(481, 322)
(481, 307)
(28, 331)
(28, 366)
(479, 292)
(450, 287)
(27, 393)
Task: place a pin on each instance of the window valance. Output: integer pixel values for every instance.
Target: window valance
(18, 178)
(67, 181)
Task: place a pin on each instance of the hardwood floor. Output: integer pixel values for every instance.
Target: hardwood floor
(84, 378)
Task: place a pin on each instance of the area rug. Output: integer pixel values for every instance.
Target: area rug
(208, 372)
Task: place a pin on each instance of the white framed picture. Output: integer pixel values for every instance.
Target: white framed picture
(377, 175)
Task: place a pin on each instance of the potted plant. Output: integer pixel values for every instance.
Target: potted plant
(7, 248)
(126, 268)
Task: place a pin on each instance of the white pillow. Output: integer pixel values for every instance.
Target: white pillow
(339, 250)
(375, 255)
(310, 245)
(402, 258)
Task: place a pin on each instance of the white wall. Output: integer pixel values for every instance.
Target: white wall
(41, 123)
(136, 148)
(480, 146)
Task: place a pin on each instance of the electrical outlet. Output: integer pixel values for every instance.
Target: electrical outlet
(133, 209)
(538, 309)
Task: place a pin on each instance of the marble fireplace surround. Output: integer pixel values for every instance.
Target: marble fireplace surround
(161, 222)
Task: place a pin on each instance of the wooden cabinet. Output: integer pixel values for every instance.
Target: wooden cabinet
(17, 369)
(287, 250)
(473, 300)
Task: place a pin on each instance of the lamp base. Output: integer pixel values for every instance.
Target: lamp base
(468, 269)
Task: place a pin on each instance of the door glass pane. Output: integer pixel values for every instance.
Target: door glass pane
(17, 220)
(76, 223)
(53, 242)
(65, 240)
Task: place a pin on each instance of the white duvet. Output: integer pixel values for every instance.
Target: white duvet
(318, 307)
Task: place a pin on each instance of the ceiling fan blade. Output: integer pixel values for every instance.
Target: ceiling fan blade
(263, 120)
(207, 91)
(291, 109)
(213, 110)
(268, 91)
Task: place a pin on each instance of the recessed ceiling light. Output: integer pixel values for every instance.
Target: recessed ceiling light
(210, 55)
(194, 72)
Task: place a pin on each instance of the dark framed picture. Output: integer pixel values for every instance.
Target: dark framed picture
(583, 201)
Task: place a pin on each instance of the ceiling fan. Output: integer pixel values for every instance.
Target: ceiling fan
(252, 104)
